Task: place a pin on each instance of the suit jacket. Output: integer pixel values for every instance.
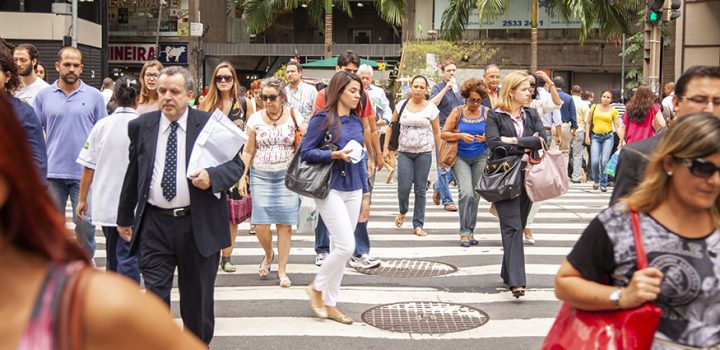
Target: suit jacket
(631, 165)
(210, 220)
(501, 124)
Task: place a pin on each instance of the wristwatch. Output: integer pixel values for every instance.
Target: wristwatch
(514, 140)
(615, 297)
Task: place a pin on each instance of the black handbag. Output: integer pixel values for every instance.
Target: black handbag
(502, 177)
(311, 179)
(395, 129)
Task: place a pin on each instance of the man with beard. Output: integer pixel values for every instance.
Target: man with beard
(68, 109)
(26, 60)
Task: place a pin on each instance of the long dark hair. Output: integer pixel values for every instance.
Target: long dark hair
(640, 104)
(336, 88)
(29, 219)
(127, 89)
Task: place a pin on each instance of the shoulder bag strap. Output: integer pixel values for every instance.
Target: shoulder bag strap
(639, 247)
(71, 311)
(292, 115)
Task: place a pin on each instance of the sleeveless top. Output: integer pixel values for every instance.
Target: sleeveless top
(42, 331)
(475, 127)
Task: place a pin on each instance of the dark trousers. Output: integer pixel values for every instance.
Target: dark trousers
(513, 214)
(118, 255)
(168, 242)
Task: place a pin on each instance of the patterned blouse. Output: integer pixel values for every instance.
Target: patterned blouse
(416, 132)
(274, 144)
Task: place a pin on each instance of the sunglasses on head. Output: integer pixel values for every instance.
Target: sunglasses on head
(699, 167)
(269, 97)
(222, 78)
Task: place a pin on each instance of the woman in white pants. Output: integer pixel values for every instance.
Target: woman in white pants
(340, 209)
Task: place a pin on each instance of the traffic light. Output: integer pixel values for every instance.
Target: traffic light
(672, 11)
(655, 11)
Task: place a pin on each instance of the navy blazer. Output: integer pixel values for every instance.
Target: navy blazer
(210, 217)
(501, 124)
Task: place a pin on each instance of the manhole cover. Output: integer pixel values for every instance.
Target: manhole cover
(410, 268)
(425, 317)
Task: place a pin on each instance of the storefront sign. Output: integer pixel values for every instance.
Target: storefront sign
(141, 53)
(515, 16)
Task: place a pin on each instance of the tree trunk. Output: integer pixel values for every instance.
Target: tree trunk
(534, 36)
(328, 32)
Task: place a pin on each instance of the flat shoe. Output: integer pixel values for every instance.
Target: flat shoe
(339, 317)
(285, 282)
(450, 207)
(529, 240)
(518, 292)
(465, 244)
(436, 197)
(320, 311)
(473, 241)
(420, 232)
(399, 220)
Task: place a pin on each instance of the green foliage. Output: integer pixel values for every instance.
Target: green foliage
(281, 74)
(465, 55)
(634, 51)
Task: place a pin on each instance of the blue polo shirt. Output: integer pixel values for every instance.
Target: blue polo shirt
(567, 110)
(67, 121)
(448, 102)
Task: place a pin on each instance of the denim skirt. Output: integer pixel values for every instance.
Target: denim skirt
(272, 202)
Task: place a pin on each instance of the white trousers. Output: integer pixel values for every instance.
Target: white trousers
(339, 211)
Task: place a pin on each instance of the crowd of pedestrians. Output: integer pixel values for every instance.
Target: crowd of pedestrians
(129, 172)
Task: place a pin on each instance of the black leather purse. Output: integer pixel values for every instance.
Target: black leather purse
(311, 179)
(502, 177)
(395, 129)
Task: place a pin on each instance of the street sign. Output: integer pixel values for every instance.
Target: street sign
(196, 29)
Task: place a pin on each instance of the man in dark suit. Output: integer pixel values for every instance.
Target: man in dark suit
(697, 90)
(176, 222)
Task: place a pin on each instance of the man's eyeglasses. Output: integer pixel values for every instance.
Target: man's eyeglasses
(699, 167)
(703, 100)
(474, 100)
(222, 78)
(272, 98)
(152, 75)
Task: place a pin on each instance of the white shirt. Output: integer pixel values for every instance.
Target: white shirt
(107, 95)
(182, 195)
(548, 110)
(583, 112)
(27, 93)
(106, 151)
(667, 102)
(302, 98)
(416, 133)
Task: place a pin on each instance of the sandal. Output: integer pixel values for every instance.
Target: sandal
(264, 270)
(465, 244)
(339, 317)
(226, 265)
(399, 220)
(285, 282)
(517, 292)
(420, 232)
(252, 229)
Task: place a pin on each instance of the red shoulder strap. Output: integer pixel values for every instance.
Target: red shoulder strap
(639, 247)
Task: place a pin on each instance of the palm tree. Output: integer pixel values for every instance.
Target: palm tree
(612, 16)
(259, 15)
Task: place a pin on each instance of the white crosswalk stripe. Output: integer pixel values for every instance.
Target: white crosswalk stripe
(476, 282)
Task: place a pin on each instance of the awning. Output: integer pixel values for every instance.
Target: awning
(332, 62)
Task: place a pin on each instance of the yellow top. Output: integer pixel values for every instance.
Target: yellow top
(602, 121)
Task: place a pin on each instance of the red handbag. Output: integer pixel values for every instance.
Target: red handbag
(620, 330)
(240, 209)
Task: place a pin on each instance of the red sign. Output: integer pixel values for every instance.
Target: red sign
(131, 53)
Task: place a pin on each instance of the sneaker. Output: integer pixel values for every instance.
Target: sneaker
(320, 259)
(364, 261)
(603, 189)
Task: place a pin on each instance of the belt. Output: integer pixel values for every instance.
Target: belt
(547, 129)
(603, 134)
(674, 345)
(174, 212)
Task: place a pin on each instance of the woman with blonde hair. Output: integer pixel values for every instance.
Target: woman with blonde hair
(223, 95)
(148, 99)
(270, 148)
(678, 205)
(518, 130)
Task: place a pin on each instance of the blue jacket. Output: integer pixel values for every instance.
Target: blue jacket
(351, 129)
(567, 110)
(33, 133)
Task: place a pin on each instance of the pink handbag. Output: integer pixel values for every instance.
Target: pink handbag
(240, 209)
(546, 178)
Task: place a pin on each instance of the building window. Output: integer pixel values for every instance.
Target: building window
(362, 36)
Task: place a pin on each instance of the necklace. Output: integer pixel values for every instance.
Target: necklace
(274, 119)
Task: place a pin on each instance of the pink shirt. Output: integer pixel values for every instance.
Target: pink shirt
(518, 122)
(635, 131)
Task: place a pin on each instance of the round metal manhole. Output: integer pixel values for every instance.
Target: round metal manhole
(425, 317)
(410, 268)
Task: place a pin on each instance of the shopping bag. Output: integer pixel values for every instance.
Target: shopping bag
(612, 164)
(308, 216)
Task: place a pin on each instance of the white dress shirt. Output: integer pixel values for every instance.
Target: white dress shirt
(302, 99)
(182, 195)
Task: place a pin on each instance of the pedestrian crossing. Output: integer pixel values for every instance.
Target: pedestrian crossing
(256, 312)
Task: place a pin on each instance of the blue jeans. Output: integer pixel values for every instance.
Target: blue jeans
(442, 185)
(61, 189)
(118, 255)
(412, 171)
(362, 239)
(468, 172)
(601, 148)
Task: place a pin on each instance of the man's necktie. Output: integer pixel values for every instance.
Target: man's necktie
(168, 184)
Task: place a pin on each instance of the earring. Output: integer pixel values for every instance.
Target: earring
(669, 173)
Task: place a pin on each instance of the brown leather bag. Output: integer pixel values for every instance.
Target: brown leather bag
(449, 149)
(298, 133)
(71, 333)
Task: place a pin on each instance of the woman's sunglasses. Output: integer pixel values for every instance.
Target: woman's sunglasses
(272, 98)
(222, 78)
(699, 167)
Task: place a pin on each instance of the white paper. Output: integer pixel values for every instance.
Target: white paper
(218, 143)
(357, 151)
